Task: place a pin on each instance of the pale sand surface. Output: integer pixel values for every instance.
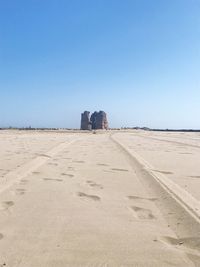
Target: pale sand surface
(19, 147)
(176, 155)
(78, 199)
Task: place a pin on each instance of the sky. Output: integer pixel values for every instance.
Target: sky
(138, 60)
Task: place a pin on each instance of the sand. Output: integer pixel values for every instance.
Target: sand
(108, 199)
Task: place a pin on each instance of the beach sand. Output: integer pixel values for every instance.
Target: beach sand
(115, 198)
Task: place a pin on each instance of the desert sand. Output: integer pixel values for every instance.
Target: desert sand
(114, 198)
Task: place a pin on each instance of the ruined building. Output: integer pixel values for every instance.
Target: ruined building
(98, 120)
(85, 121)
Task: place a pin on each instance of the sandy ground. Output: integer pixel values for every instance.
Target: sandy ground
(83, 199)
(176, 155)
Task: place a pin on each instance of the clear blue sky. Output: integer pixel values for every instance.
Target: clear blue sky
(139, 60)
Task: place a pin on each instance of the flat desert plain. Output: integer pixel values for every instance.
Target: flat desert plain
(114, 198)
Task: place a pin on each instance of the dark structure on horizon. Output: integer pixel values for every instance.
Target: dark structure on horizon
(98, 120)
(85, 121)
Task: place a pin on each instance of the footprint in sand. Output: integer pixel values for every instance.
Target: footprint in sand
(23, 181)
(1, 236)
(67, 174)
(53, 164)
(93, 184)
(79, 161)
(52, 179)
(194, 176)
(93, 197)
(71, 168)
(35, 172)
(191, 242)
(6, 205)
(142, 198)
(102, 164)
(20, 191)
(143, 213)
(120, 170)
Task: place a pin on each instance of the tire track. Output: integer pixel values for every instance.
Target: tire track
(186, 200)
(23, 171)
(168, 141)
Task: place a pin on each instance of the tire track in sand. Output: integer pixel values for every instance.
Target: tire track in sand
(23, 171)
(185, 199)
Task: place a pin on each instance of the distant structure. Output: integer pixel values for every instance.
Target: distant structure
(93, 120)
(97, 121)
(85, 121)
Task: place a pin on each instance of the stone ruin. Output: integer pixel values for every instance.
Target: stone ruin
(98, 120)
(85, 121)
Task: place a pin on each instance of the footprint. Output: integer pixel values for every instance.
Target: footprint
(102, 164)
(164, 172)
(143, 213)
(188, 242)
(1, 236)
(93, 197)
(142, 198)
(70, 168)
(66, 174)
(20, 191)
(53, 164)
(190, 245)
(79, 161)
(120, 170)
(52, 179)
(195, 176)
(93, 184)
(23, 181)
(6, 205)
(35, 172)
